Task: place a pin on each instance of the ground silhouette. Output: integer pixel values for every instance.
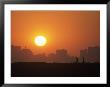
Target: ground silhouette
(33, 69)
(58, 64)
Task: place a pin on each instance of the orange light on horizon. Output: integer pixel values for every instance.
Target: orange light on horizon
(70, 30)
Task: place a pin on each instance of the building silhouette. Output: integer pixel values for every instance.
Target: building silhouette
(91, 54)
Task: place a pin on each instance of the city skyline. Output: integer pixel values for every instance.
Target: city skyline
(87, 55)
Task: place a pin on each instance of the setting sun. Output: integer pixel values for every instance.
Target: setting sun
(40, 41)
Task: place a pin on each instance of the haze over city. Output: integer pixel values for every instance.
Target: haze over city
(71, 30)
(55, 43)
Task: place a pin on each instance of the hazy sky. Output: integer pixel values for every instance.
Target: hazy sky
(71, 30)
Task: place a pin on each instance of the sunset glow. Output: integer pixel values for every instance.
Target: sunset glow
(71, 30)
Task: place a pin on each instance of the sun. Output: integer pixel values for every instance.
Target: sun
(40, 40)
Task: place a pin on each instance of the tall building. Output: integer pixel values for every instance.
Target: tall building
(63, 57)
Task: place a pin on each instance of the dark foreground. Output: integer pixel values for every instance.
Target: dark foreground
(30, 69)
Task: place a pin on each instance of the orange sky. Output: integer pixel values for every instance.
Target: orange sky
(71, 30)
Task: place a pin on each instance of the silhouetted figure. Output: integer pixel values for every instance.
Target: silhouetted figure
(76, 59)
(83, 60)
